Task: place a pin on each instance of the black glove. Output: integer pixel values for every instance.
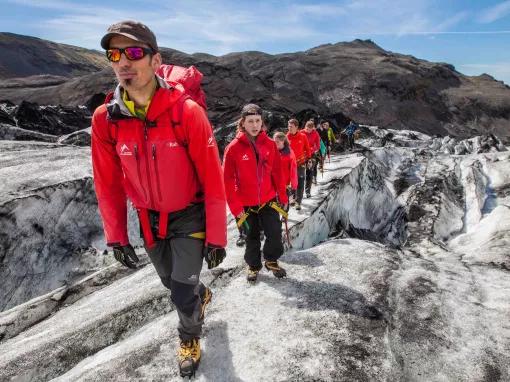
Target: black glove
(214, 255)
(125, 254)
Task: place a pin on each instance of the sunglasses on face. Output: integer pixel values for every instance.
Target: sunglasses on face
(132, 53)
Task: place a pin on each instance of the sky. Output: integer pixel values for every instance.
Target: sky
(474, 35)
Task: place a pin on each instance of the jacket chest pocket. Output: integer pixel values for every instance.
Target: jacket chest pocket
(170, 166)
(265, 160)
(130, 155)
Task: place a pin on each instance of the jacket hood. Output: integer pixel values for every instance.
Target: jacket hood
(285, 150)
(165, 96)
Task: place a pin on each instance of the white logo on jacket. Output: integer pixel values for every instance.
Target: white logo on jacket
(245, 157)
(173, 144)
(124, 150)
(210, 142)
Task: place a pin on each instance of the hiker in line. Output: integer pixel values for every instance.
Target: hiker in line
(299, 144)
(153, 144)
(256, 191)
(289, 165)
(350, 131)
(327, 140)
(314, 141)
(241, 240)
(327, 136)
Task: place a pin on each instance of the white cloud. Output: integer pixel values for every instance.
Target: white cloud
(320, 10)
(224, 26)
(452, 21)
(199, 26)
(494, 13)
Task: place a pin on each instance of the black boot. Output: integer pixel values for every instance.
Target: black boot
(241, 241)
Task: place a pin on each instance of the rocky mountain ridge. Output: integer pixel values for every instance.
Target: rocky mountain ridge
(353, 80)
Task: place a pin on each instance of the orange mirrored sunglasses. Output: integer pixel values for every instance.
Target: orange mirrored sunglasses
(132, 53)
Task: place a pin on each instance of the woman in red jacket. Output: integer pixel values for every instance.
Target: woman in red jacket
(299, 144)
(314, 141)
(254, 184)
(289, 164)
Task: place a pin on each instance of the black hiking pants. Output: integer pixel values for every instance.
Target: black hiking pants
(178, 261)
(317, 160)
(311, 172)
(269, 220)
(301, 170)
(350, 141)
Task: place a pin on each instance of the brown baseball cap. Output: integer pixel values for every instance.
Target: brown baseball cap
(251, 109)
(133, 30)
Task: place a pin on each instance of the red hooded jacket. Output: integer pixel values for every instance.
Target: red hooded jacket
(314, 140)
(289, 168)
(299, 144)
(252, 172)
(156, 164)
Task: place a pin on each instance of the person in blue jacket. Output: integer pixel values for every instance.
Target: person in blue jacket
(350, 130)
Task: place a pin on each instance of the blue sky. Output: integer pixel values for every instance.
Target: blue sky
(472, 35)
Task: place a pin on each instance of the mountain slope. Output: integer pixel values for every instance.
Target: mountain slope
(24, 56)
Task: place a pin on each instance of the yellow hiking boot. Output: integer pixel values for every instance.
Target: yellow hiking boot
(252, 274)
(189, 357)
(278, 271)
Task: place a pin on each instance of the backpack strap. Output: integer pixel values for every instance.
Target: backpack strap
(143, 217)
(163, 224)
(113, 127)
(176, 119)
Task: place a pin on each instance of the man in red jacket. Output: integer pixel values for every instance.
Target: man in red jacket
(155, 146)
(314, 140)
(299, 144)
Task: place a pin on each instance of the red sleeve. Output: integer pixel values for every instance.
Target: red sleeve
(277, 176)
(317, 141)
(307, 150)
(108, 181)
(293, 171)
(230, 179)
(204, 154)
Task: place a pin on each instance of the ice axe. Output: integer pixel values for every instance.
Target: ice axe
(287, 232)
(285, 216)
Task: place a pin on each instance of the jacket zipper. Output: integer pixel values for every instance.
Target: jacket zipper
(139, 172)
(156, 169)
(254, 147)
(148, 167)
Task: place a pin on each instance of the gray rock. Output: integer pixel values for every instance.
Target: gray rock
(13, 133)
(78, 138)
(48, 219)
